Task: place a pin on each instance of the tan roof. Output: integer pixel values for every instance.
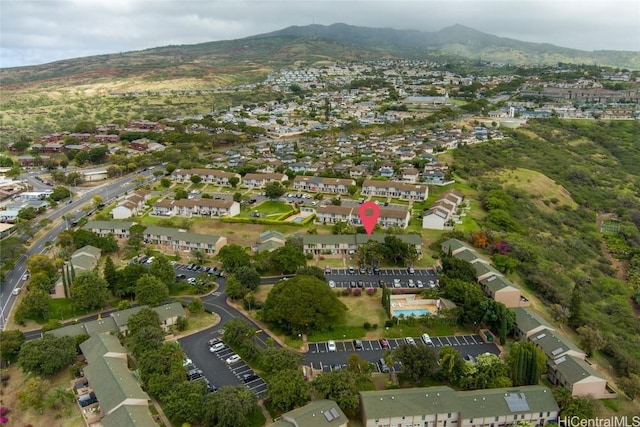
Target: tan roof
(393, 213)
(211, 203)
(204, 172)
(333, 209)
(392, 184)
(259, 176)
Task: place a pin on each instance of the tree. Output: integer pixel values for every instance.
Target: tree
(183, 402)
(451, 364)
(343, 387)
(527, 363)
(39, 263)
(127, 278)
(248, 276)
(630, 385)
(419, 361)
(238, 331)
(398, 251)
(197, 253)
(41, 281)
(276, 359)
(196, 179)
(181, 193)
(233, 181)
(89, 290)
(96, 200)
(11, 343)
(151, 290)
(161, 370)
(230, 406)
(237, 196)
(592, 339)
(234, 289)
(110, 274)
(274, 190)
(287, 389)
(60, 193)
(570, 407)
(32, 393)
(34, 305)
(47, 355)
(303, 303)
(142, 319)
(196, 306)
(312, 271)
(162, 269)
(489, 371)
(165, 182)
(287, 259)
(233, 257)
(498, 317)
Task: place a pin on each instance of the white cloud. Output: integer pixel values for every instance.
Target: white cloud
(45, 30)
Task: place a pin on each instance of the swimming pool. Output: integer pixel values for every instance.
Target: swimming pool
(411, 312)
(299, 219)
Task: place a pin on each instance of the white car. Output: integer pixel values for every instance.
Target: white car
(427, 339)
(25, 276)
(16, 291)
(234, 358)
(396, 283)
(332, 284)
(410, 341)
(331, 346)
(216, 347)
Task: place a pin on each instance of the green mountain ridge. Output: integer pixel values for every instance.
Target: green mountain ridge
(257, 55)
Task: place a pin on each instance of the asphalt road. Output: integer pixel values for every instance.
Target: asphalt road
(107, 192)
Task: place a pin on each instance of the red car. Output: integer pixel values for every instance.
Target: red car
(384, 343)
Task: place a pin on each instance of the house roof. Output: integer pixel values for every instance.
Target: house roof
(270, 234)
(166, 311)
(108, 225)
(483, 269)
(263, 176)
(205, 172)
(554, 346)
(84, 262)
(177, 235)
(210, 203)
(468, 255)
(317, 413)
(453, 245)
(129, 415)
(527, 320)
(396, 185)
(394, 213)
(574, 369)
(470, 404)
(333, 209)
(89, 250)
(270, 245)
(357, 239)
(100, 326)
(498, 283)
(68, 331)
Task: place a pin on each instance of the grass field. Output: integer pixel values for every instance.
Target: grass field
(546, 193)
(268, 210)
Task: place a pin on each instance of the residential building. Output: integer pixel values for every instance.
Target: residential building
(317, 413)
(119, 229)
(579, 377)
(259, 180)
(208, 176)
(398, 190)
(453, 246)
(84, 259)
(443, 406)
(502, 290)
(332, 214)
(172, 239)
(555, 346)
(119, 395)
(201, 207)
(529, 323)
(168, 314)
(410, 175)
(131, 205)
(316, 184)
(344, 244)
(443, 212)
(269, 241)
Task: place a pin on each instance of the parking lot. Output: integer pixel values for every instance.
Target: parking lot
(214, 366)
(319, 356)
(391, 277)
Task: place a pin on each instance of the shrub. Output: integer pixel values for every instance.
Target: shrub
(309, 256)
(357, 292)
(371, 291)
(346, 292)
(366, 325)
(389, 323)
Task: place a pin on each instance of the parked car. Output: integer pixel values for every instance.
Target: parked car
(376, 270)
(396, 283)
(332, 284)
(360, 284)
(363, 270)
(353, 284)
(327, 270)
(383, 366)
(357, 344)
(16, 291)
(427, 339)
(419, 284)
(382, 283)
(217, 347)
(247, 378)
(331, 346)
(213, 341)
(384, 343)
(25, 276)
(234, 358)
(411, 283)
(410, 341)
(411, 270)
(352, 270)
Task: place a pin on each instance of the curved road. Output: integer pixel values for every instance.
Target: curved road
(107, 192)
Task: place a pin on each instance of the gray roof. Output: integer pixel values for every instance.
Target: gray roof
(108, 225)
(438, 400)
(554, 346)
(270, 234)
(453, 244)
(482, 269)
(107, 372)
(99, 326)
(497, 283)
(88, 250)
(317, 413)
(68, 331)
(468, 255)
(129, 415)
(574, 369)
(84, 262)
(177, 235)
(527, 320)
(166, 311)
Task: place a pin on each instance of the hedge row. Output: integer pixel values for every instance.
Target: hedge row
(264, 221)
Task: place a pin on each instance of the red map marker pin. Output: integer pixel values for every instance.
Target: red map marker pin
(369, 213)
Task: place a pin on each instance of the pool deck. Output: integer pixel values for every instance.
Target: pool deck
(413, 302)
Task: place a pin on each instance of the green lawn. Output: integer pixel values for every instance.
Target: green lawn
(63, 309)
(268, 209)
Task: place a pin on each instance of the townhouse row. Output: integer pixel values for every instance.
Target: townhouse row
(332, 214)
(167, 239)
(202, 207)
(348, 244)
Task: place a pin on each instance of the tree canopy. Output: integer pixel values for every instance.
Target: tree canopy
(233, 257)
(303, 303)
(89, 290)
(151, 290)
(47, 355)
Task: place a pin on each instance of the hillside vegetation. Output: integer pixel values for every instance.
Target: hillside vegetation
(557, 247)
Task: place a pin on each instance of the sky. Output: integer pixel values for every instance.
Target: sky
(42, 31)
